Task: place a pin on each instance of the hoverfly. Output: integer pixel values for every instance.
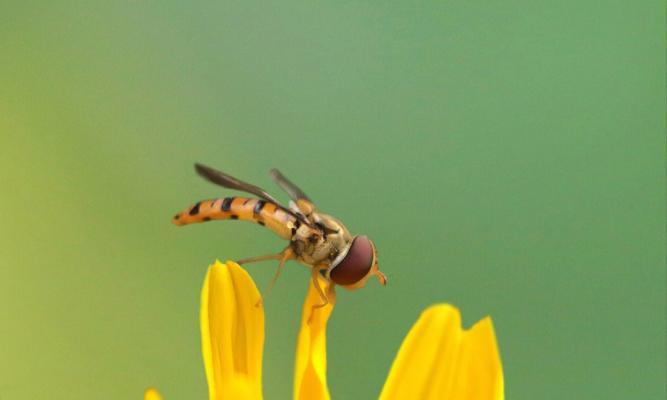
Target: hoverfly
(317, 240)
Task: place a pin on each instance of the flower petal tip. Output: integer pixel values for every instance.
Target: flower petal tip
(232, 330)
(451, 356)
(443, 310)
(152, 394)
(310, 380)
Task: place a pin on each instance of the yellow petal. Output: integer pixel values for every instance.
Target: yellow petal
(152, 394)
(232, 333)
(310, 372)
(439, 360)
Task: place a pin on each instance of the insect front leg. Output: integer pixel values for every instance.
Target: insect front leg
(316, 283)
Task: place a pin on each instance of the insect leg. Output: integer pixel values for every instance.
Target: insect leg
(316, 284)
(283, 257)
(260, 258)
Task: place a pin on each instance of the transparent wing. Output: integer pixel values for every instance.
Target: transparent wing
(304, 205)
(220, 178)
(292, 190)
(228, 181)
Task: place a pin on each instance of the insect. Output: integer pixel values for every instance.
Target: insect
(317, 240)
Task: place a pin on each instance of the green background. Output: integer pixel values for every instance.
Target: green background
(506, 157)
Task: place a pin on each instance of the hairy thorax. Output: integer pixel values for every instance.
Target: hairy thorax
(316, 249)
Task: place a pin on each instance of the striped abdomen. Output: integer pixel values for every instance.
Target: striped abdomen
(248, 209)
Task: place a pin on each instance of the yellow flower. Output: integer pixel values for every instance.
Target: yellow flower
(437, 360)
(152, 394)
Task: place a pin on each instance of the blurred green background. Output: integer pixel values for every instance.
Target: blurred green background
(507, 157)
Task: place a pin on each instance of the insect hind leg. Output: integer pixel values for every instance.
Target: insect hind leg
(249, 260)
(283, 256)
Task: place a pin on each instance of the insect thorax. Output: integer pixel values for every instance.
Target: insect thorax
(314, 248)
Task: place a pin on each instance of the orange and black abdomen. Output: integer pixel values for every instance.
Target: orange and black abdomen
(259, 211)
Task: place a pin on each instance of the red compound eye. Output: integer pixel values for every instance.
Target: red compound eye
(356, 263)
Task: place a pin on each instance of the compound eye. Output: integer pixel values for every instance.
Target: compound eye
(355, 265)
